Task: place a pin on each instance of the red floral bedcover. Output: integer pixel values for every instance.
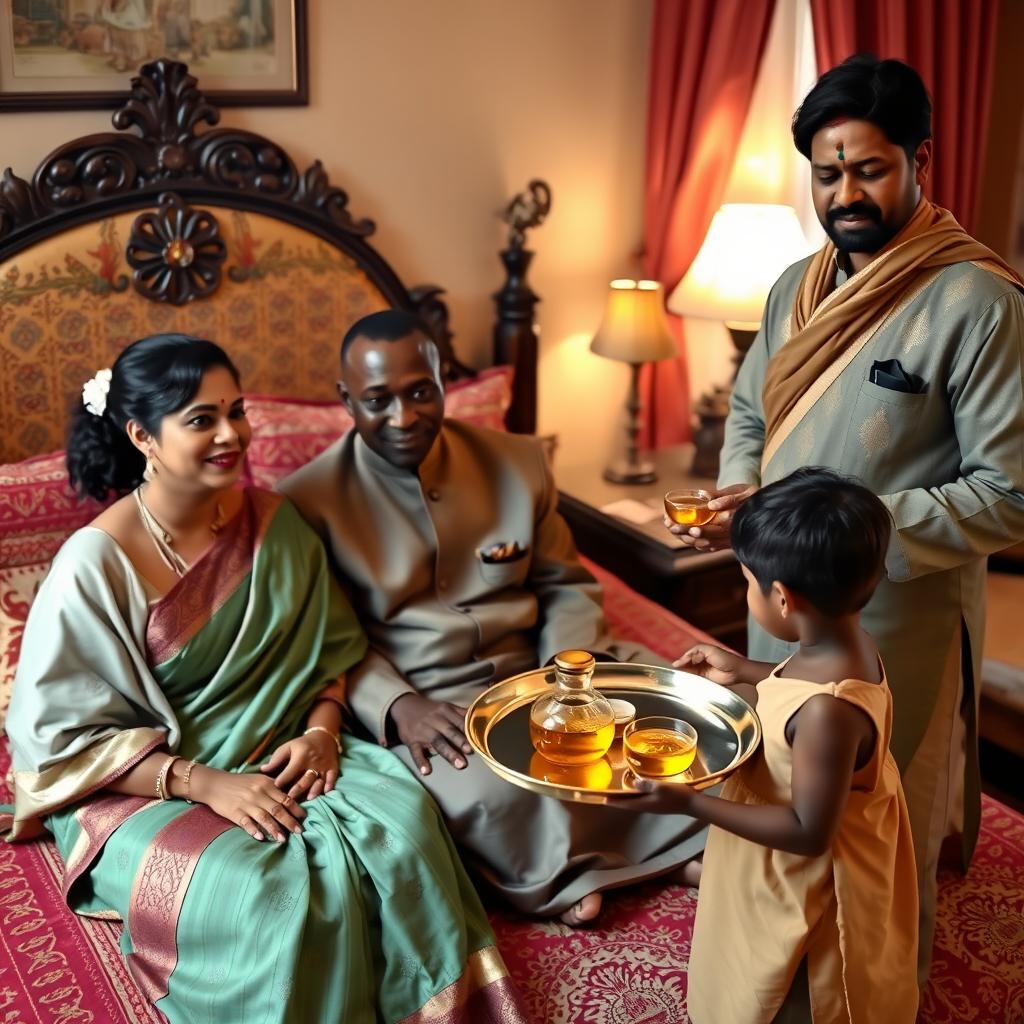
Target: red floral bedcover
(56, 968)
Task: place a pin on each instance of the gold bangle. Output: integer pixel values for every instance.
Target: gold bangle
(323, 728)
(187, 779)
(161, 777)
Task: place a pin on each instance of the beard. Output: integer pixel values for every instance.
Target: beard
(869, 238)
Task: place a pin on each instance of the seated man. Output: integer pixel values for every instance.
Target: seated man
(448, 541)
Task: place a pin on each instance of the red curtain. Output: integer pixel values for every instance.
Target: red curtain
(704, 60)
(951, 44)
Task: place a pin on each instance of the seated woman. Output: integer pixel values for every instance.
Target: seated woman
(176, 724)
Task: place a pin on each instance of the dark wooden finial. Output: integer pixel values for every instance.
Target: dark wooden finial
(515, 334)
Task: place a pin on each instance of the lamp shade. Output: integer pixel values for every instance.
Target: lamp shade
(634, 328)
(746, 249)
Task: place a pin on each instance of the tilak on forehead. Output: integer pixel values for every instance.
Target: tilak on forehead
(840, 150)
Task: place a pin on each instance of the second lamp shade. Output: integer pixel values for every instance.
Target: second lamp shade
(634, 328)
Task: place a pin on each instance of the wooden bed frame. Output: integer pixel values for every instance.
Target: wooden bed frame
(164, 162)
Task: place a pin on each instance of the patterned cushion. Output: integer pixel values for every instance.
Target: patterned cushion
(38, 509)
(287, 433)
(482, 401)
(18, 586)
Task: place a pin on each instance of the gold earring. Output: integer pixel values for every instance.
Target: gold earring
(150, 471)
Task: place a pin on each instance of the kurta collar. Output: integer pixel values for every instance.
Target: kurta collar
(842, 273)
(428, 470)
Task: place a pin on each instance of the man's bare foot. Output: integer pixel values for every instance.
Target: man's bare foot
(585, 911)
(689, 873)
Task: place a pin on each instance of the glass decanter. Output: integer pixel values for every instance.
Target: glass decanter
(572, 724)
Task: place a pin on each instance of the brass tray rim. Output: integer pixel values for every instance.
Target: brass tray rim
(561, 790)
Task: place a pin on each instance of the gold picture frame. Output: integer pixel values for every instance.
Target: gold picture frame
(82, 54)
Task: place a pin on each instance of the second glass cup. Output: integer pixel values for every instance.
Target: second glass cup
(659, 746)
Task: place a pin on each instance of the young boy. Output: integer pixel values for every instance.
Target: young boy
(808, 900)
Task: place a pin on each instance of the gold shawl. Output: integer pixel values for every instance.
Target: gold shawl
(826, 323)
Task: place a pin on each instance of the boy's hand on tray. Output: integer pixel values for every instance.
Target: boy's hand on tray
(657, 798)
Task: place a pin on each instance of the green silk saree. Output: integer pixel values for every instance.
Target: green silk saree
(367, 916)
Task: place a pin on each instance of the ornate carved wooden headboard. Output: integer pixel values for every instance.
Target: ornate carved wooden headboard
(170, 225)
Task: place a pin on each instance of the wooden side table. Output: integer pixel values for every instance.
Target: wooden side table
(705, 588)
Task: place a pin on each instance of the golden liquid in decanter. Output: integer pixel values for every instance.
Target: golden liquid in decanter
(659, 752)
(581, 776)
(689, 511)
(579, 747)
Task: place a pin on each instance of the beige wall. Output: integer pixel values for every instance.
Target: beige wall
(431, 115)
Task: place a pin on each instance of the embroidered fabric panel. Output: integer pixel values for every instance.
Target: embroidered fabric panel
(67, 308)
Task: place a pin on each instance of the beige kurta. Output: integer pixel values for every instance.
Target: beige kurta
(949, 464)
(852, 911)
(443, 622)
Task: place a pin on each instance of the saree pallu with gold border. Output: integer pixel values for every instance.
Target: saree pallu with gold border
(365, 916)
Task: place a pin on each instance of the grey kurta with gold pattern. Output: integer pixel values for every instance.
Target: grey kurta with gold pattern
(949, 464)
(444, 623)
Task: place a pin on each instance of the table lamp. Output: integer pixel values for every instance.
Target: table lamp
(746, 248)
(634, 330)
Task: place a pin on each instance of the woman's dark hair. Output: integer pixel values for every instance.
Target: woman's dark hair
(887, 93)
(821, 534)
(152, 378)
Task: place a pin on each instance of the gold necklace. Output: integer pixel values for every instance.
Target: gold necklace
(163, 541)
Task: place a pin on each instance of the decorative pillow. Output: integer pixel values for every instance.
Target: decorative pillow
(38, 509)
(287, 433)
(483, 400)
(18, 586)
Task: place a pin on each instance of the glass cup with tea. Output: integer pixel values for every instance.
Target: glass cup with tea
(658, 746)
(689, 507)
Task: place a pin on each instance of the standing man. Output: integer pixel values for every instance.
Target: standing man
(448, 540)
(896, 354)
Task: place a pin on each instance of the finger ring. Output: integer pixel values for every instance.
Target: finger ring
(314, 771)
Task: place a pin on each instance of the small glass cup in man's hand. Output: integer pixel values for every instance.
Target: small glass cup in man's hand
(657, 746)
(688, 507)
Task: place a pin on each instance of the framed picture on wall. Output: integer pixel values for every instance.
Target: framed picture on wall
(77, 54)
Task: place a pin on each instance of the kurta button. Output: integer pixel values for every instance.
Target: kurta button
(442, 584)
(434, 494)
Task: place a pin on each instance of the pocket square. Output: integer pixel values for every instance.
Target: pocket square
(503, 551)
(888, 373)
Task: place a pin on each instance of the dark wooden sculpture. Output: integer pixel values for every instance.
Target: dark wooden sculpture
(515, 334)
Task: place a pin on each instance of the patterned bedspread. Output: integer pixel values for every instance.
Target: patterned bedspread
(56, 968)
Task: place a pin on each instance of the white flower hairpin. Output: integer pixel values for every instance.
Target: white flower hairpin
(95, 391)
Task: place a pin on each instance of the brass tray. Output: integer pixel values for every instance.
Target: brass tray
(728, 730)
